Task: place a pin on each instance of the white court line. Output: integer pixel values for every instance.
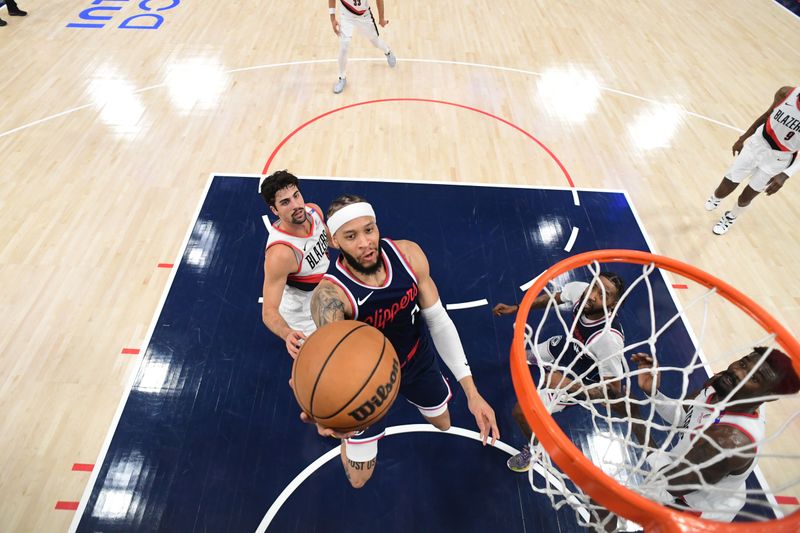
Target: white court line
(394, 430)
(430, 182)
(575, 199)
(133, 373)
(525, 286)
(409, 60)
(467, 305)
(571, 241)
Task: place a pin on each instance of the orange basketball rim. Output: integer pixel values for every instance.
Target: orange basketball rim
(591, 479)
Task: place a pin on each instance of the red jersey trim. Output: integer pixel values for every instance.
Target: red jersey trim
(771, 133)
(411, 354)
(311, 278)
(351, 9)
(403, 259)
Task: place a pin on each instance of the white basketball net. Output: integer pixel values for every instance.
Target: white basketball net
(612, 446)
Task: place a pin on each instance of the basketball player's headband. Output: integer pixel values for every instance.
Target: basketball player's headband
(348, 213)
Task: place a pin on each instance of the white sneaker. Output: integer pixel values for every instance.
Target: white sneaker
(724, 224)
(391, 59)
(339, 87)
(712, 204)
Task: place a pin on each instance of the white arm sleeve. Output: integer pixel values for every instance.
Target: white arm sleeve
(608, 349)
(572, 292)
(445, 338)
(670, 409)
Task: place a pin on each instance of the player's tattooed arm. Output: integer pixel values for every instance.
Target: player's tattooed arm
(326, 305)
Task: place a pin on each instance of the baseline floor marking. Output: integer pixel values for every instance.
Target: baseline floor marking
(135, 371)
(394, 430)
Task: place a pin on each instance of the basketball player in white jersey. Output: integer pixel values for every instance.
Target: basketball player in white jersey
(767, 153)
(716, 490)
(295, 260)
(356, 14)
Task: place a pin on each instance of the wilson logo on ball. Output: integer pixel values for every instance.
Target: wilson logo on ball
(366, 409)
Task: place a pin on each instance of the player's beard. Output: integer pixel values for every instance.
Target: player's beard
(358, 267)
(723, 387)
(299, 217)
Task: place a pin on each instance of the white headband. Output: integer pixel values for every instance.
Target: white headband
(348, 213)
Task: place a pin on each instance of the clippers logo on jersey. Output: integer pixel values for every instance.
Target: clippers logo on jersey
(382, 317)
(392, 307)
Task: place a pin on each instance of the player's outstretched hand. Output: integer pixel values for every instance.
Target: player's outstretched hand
(484, 416)
(738, 145)
(504, 309)
(294, 341)
(645, 379)
(322, 430)
(775, 183)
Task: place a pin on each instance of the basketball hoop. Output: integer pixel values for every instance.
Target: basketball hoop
(590, 478)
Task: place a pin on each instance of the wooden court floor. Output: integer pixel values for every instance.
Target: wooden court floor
(109, 134)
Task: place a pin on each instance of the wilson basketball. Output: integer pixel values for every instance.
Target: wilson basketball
(346, 376)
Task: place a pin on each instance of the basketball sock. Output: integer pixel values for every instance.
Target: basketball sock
(737, 210)
(714, 198)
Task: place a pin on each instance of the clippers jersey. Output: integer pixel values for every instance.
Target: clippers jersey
(392, 307)
(782, 128)
(604, 343)
(310, 250)
(724, 499)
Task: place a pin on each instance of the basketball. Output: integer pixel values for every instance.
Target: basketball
(346, 375)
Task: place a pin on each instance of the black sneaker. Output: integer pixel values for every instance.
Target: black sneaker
(18, 13)
(3, 23)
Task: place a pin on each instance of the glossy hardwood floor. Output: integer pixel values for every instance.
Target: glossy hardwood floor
(108, 136)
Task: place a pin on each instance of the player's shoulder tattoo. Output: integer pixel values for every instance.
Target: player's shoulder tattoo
(326, 305)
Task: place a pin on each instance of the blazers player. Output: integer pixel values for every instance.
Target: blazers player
(723, 424)
(294, 262)
(767, 153)
(387, 284)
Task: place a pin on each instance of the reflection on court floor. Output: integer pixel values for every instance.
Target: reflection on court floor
(209, 437)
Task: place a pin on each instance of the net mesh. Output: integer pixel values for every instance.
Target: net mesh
(630, 436)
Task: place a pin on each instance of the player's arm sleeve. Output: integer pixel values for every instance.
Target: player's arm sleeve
(572, 292)
(445, 338)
